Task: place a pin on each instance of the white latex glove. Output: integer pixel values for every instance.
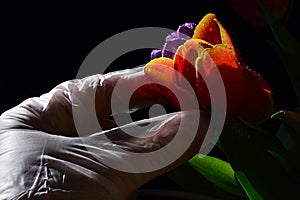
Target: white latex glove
(43, 156)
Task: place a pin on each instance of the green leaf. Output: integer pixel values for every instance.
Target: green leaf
(218, 172)
(290, 48)
(248, 151)
(189, 178)
(281, 159)
(248, 187)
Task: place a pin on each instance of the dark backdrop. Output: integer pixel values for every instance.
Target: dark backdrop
(43, 44)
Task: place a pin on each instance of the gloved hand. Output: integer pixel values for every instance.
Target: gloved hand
(45, 153)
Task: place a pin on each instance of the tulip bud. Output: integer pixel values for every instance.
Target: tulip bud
(206, 54)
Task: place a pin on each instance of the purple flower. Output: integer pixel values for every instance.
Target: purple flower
(174, 40)
(186, 29)
(156, 53)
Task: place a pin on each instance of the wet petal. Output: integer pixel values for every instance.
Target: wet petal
(210, 51)
(161, 70)
(211, 30)
(260, 102)
(207, 29)
(221, 60)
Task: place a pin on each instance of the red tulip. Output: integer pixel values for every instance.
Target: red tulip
(210, 51)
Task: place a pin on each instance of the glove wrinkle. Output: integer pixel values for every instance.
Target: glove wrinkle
(42, 155)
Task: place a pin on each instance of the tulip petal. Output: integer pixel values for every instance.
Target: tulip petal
(161, 70)
(259, 105)
(207, 29)
(207, 55)
(220, 59)
(211, 30)
(185, 58)
(184, 61)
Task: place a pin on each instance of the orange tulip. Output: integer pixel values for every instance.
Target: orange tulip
(211, 51)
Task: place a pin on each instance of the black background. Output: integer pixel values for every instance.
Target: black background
(44, 44)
